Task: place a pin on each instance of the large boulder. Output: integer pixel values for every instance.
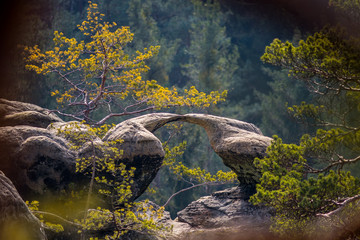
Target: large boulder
(222, 215)
(34, 158)
(13, 113)
(16, 220)
(141, 150)
(38, 158)
(224, 209)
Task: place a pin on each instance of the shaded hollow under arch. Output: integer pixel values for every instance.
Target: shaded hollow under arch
(236, 142)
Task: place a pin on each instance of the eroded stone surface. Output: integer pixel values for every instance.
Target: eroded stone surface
(238, 143)
(13, 113)
(35, 159)
(16, 220)
(141, 150)
(224, 209)
(37, 156)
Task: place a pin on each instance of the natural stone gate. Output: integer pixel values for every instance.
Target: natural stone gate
(37, 159)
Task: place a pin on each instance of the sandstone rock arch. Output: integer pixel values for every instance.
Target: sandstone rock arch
(36, 158)
(236, 142)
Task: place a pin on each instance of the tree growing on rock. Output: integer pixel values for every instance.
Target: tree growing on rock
(310, 181)
(102, 75)
(102, 79)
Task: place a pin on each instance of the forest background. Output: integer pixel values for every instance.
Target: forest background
(213, 45)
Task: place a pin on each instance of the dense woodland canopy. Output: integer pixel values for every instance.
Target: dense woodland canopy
(213, 45)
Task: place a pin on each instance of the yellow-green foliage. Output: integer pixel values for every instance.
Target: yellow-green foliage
(197, 175)
(327, 60)
(303, 181)
(296, 197)
(97, 73)
(112, 180)
(101, 70)
(34, 207)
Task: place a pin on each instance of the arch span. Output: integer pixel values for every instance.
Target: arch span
(236, 142)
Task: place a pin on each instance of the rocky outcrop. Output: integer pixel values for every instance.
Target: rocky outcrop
(236, 142)
(141, 150)
(39, 159)
(36, 157)
(13, 113)
(16, 220)
(224, 208)
(226, 215)
(223, 215)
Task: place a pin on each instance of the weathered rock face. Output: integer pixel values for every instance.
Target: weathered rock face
(38, 159)
(14, 113)
(224, 208)
(35, 159)
(236, 142)
(16, 220)
(223, 215)
(141, 150)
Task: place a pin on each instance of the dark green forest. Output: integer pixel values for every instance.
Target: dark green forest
(209, 45)
(212, 45)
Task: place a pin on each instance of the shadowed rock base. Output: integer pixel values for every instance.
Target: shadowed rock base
(223, 215)
(16, 220)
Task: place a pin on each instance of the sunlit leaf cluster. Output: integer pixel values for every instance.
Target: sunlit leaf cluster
(192, 175)
(101, 162)
(34, 207)
(103, 71)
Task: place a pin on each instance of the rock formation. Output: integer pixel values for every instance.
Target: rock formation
(38, 159)
(16, 221)
(224, 208)
(141, 149)
(236, 142)
(31, 156)
(13, 113)
(223, 215)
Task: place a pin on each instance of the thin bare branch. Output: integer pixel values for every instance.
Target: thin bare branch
(342, 205)
(58, 217)
(191, 187)
(341, 161)
(102, 121)
(69, 81)
(67, 115)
